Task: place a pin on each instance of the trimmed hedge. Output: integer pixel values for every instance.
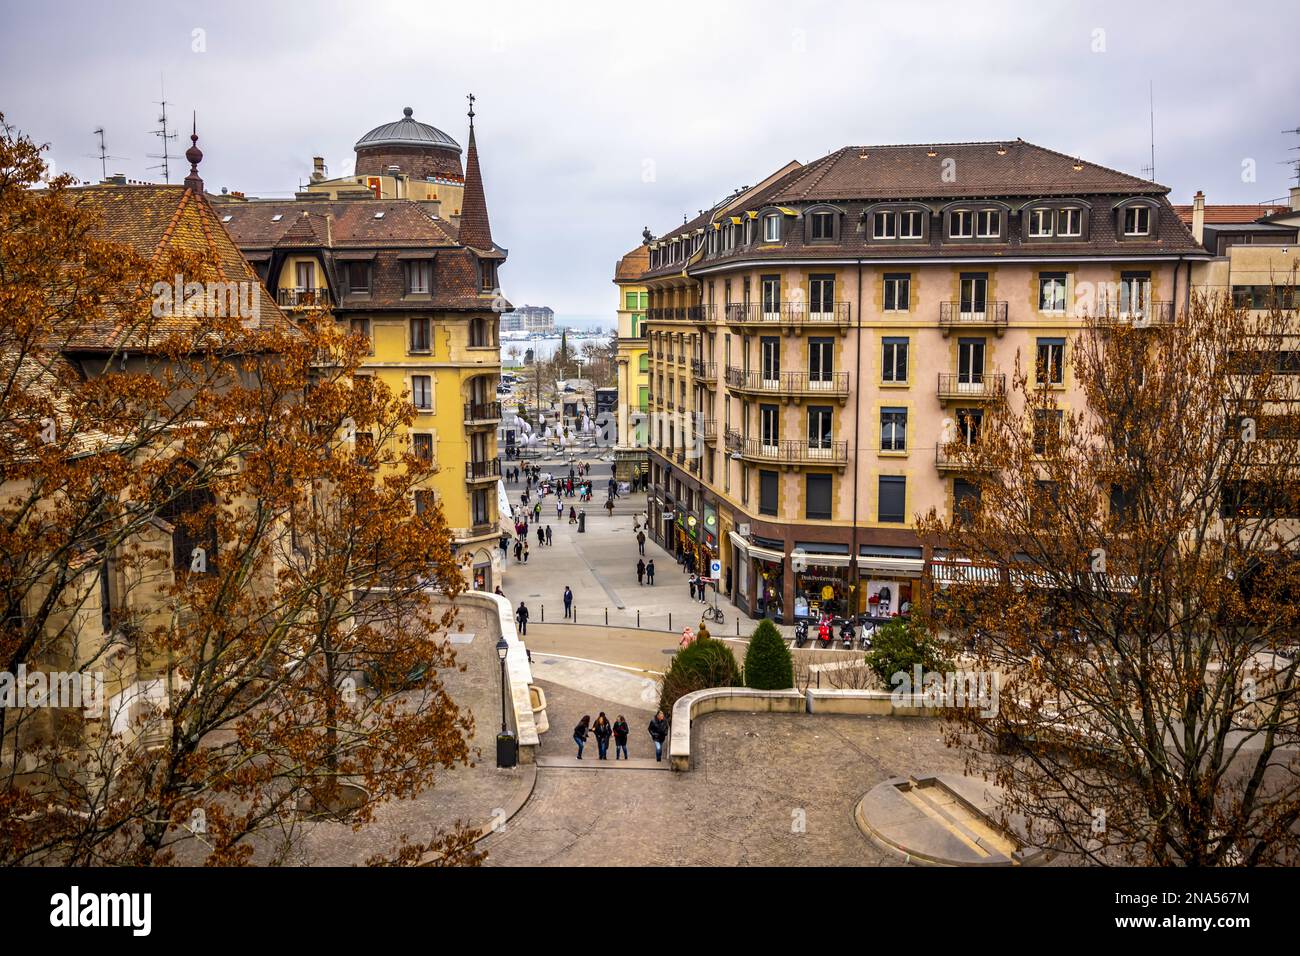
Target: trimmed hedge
(702, 664)
(768, 665)
(899, 646)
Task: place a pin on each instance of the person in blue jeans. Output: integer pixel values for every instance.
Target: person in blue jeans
(603, 731)
(580, 733)
(620, 737)
(659, 733)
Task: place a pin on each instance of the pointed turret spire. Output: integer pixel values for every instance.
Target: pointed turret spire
(195, 156)
(475, 230)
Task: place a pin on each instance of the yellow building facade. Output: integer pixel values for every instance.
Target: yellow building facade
(633, 365)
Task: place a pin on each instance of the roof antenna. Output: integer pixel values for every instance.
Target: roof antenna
(103, 153)
(1294, 163)
(162, 134)
(1151, 101)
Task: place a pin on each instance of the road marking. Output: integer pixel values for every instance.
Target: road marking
(622, 667)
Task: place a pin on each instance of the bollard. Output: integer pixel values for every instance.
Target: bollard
(638, 618)
(543, 613)
(670, 620)
(607, 617)
(738, 625)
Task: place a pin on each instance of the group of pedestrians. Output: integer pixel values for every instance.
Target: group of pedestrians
(645, 571)
(603, 730)
(699, 586)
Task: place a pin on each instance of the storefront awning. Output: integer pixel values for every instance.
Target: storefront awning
(905, 567)
(944, 573)
(753, 550)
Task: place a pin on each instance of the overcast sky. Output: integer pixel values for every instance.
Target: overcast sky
(595, 120)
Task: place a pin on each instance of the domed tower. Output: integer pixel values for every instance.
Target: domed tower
(417, 149)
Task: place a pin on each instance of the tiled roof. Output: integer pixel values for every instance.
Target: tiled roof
(352, 223)
(475, 230)
(156, 220)
(955, 170)
(1231, 214)
(631, 266)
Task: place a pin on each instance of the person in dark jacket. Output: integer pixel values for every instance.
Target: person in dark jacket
(541, 536)
(659, 733)
(548, 535)
(603, 730)
(521, 618)
(580, 733)
(620, 737)
(640, 541)
(640, 571)
(650, 572)
(568, 601)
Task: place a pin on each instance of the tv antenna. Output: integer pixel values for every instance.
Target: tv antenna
(1293, 163)
(103, 156)
(1151, 103)
(163, 135)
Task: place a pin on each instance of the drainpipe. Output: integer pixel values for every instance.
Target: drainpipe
(854, 579)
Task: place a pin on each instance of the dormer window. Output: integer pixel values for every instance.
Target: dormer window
(1137, 221)
(772, 228)
(823, 225)
(749, 231)
(1069, 222)
(909, 224)
(882, 225)
(988, 223)
(961, 224)
(489, 275)
(1040, 222)
(419, 277)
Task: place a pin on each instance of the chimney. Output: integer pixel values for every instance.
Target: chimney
(1198, 218)
(317, 169)
(117, 179)
(1295, 198)
(396, 173)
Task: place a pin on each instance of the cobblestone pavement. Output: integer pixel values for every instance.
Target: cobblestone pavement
(756, 778)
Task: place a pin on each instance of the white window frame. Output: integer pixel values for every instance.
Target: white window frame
(900, 285)
(1068, 214)
(422, 383)
(772, 224)
(1041, 223)
(955, 218)
(980, 231)
(1059, 287)
(419, 277)
(910, 217)
(888, 220)
(1145, 212)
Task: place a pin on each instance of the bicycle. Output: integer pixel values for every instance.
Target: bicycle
(712, 613)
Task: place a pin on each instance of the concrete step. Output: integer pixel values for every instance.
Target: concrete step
(590, 761)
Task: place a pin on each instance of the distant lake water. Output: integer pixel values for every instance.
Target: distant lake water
(546, 347)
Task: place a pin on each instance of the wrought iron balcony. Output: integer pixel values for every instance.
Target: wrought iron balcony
(486, 413)
(970, 387)
(1150, 315)
(707, 428)
(489, 470)
(955, 457)
(303, 298)
(789, 316)
(989, 314)
(704, 371)
(787, 452)
(788, 385)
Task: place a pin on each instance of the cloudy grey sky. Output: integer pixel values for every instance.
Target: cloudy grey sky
(595, 119)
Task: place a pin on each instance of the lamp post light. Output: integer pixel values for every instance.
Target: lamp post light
(507, 750)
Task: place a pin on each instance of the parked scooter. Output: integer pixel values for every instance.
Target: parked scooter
(801, 632)
(868, 628)
(846, 633)
(825, 634)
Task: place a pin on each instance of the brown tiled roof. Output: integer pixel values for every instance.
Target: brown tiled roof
(155, 220)
(351, 223)
(1010, 168)
(631, 266)
(475, 230)
(1231, 214)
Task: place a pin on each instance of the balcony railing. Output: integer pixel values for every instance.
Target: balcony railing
(965, 315)
(707, 428)
(978, 387)
(483, 470)
(954, 456)
(789, 384)
(789, 316)
(484, 413)
(787, 452)
(303, 298)
(704, 371)
(677, 313)
(1147, 316)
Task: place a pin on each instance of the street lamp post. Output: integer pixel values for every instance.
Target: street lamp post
(507, 748)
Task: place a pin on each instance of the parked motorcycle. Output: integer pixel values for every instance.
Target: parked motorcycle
(800, 632)
(825, 634)
(846, 633)
(868, 628)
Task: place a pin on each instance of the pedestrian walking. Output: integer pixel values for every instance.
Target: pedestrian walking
(640, 571)
(521, 618)
(568, 601)
(691, 582)
(537, 511)
(580, 733)
(548, 535)
(620, 737)
(650, 572)
(609, 506)
(640, 541)
(519, 552)
(504, 545)
(541, 536)
(559, 508)
(603, 730)
(573, 515)
(659, 733)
